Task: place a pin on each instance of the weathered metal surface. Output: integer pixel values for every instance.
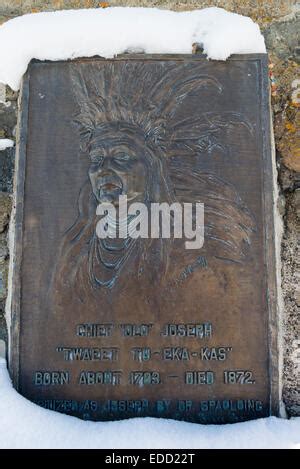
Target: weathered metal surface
(145, 327)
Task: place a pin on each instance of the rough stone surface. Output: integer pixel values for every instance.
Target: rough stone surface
(287, 112)
(280, 23)
(283, 37)
(5, 208)
(2, 93)
(3, 265)
(7, 158)
(290, 284)
(8, 118)
(297, 204)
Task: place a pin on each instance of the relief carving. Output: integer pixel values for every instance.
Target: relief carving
(140, 145)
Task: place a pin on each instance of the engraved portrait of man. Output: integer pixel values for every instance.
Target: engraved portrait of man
(141, 141)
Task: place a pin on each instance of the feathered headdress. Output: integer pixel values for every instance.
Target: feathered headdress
(149, 97)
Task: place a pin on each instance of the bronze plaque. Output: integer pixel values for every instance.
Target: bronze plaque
(115, 328)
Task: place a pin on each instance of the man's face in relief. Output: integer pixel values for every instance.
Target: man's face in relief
(117, 167)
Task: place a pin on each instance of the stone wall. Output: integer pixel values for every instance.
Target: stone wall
(280, 24)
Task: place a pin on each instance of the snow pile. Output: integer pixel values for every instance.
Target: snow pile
(107, 32)
(25, 425)
(6, 143)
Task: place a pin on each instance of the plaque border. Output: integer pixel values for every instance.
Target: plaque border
(268, 204)
(16, 233)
